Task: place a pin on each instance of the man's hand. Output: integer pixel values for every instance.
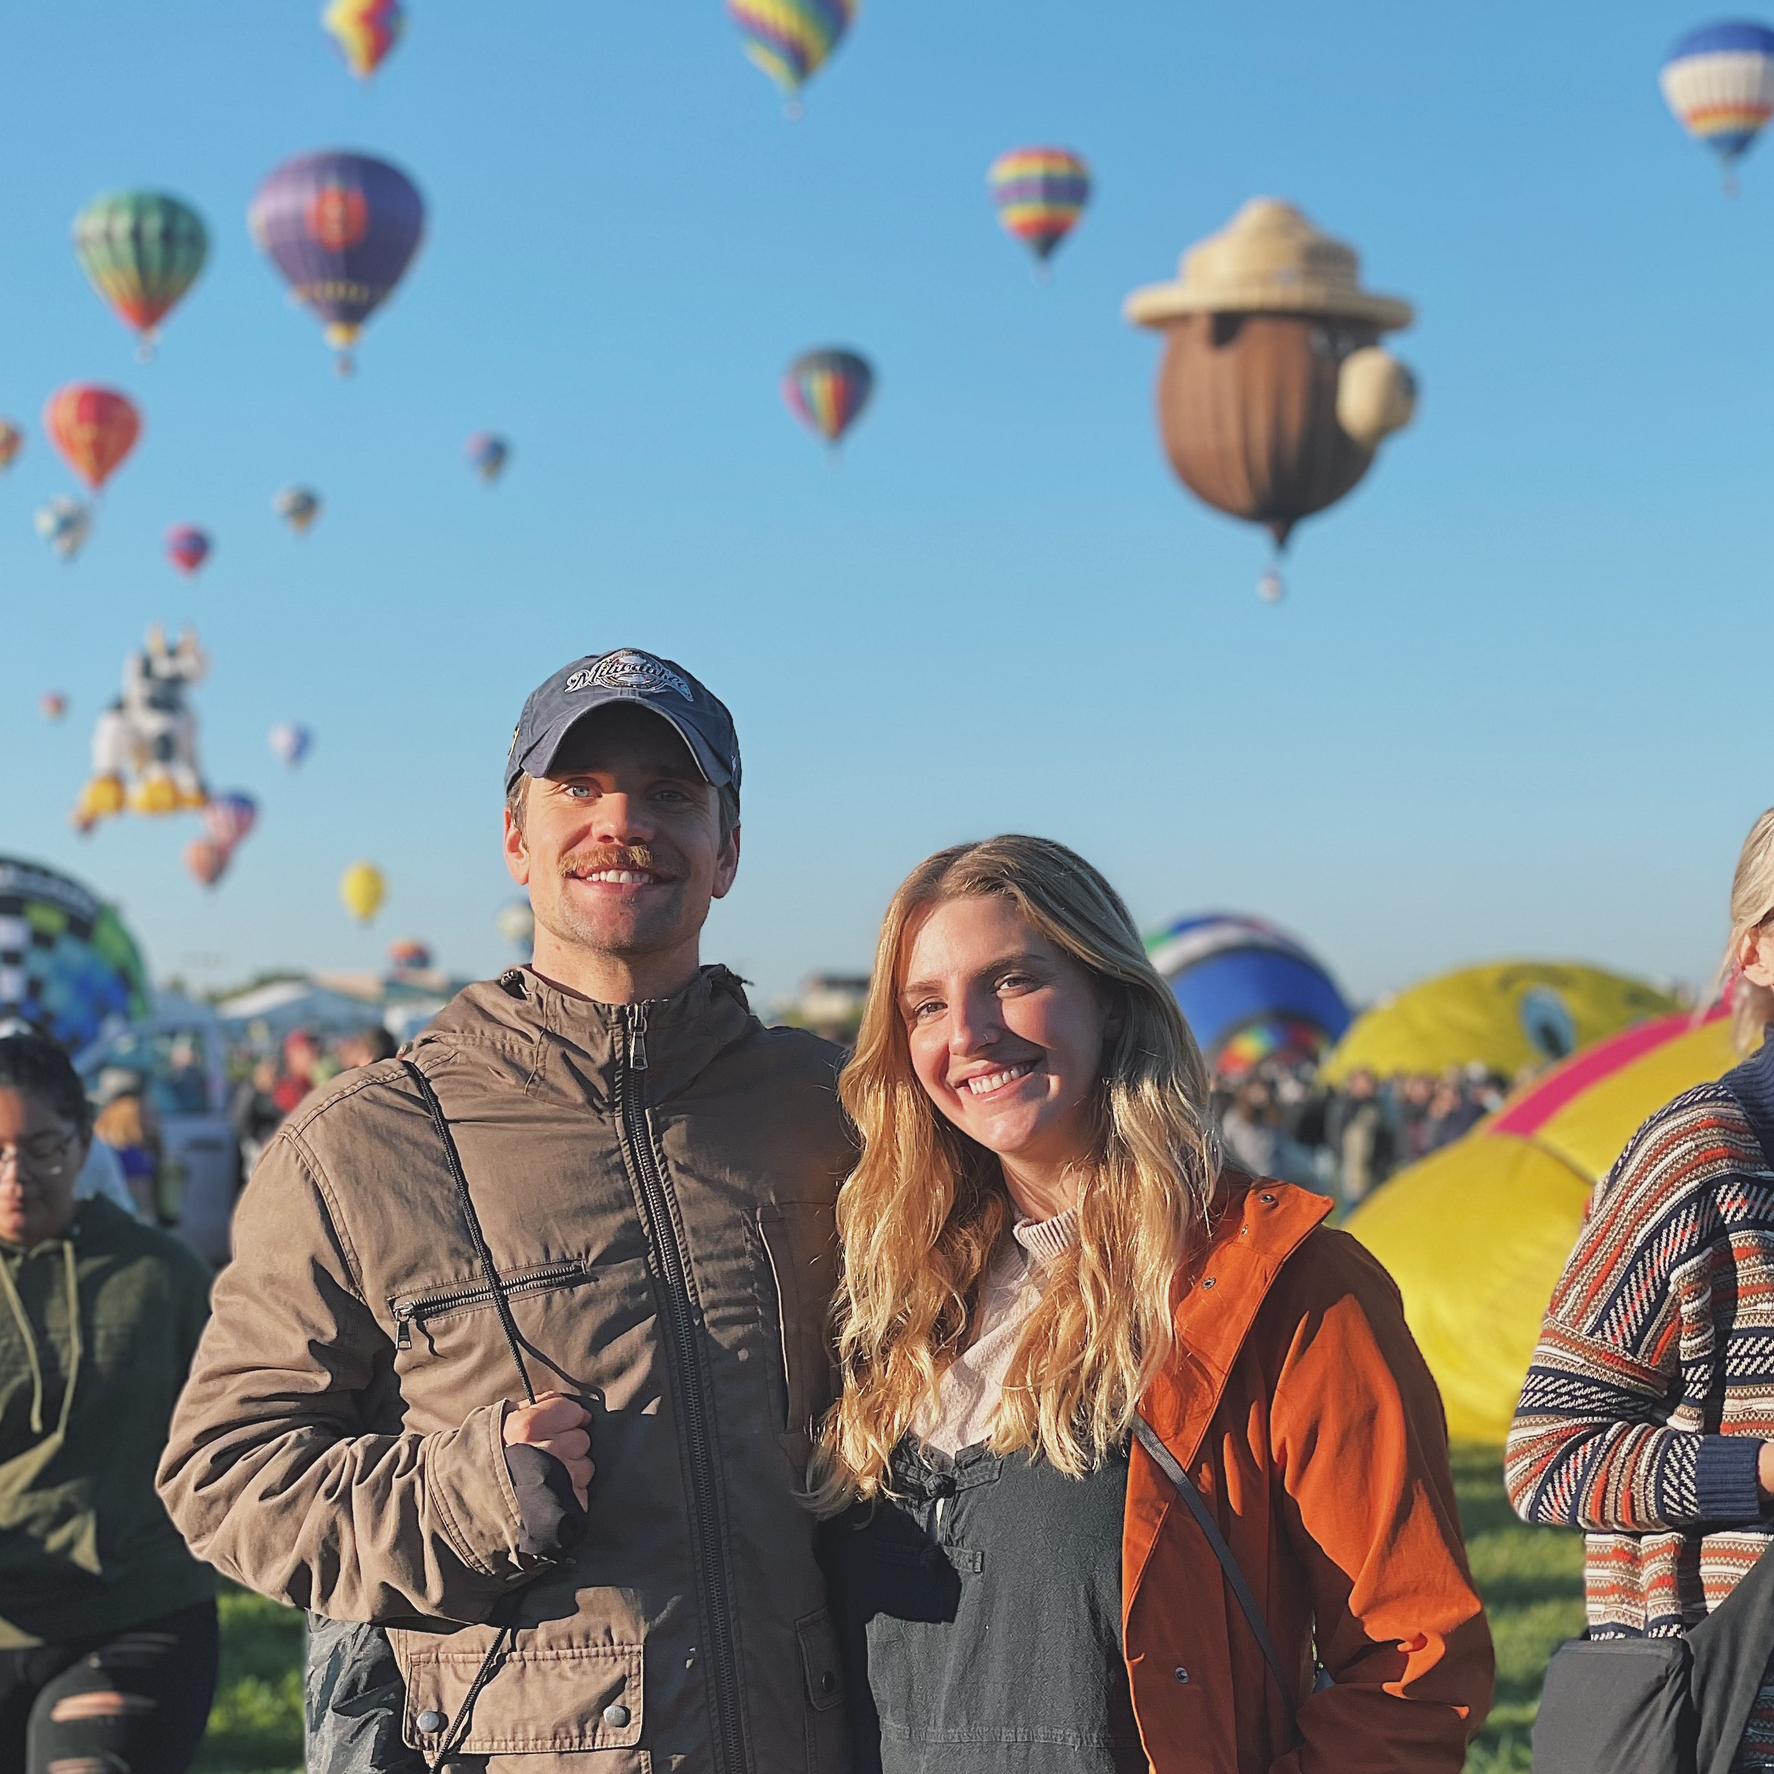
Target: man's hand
(558, 1425)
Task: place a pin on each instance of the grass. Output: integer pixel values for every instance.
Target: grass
(1531, 1579)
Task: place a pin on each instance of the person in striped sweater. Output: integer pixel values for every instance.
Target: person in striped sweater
(1647, 1417)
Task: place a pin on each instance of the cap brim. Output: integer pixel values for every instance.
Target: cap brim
(539, 759)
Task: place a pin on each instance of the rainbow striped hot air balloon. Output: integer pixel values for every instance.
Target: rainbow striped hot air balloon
(827, 390)
(1719, 82)
(143, 250)
(791, 39)
(366, 31)
(1040, 194)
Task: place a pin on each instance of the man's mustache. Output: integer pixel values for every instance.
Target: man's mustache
(620, 856)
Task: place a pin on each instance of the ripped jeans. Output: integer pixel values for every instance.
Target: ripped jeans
(132, 1702)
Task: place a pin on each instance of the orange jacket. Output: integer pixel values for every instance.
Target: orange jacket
(1301, 1408)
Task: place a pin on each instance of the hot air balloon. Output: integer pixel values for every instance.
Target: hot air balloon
(298, 507)
(94, 428)
(187, 547)
(363, 889)
(143, 250)
(52, 705)
(1040, 194)
(1271, 355)
(12, 441)
(68, 967)
(229, 819)
(516, 924)
(408, 955)
(365, 31)
(1719, 82)
(791, 39)
(207, 861)
(827, 390)
(341, 228)
(488, 454)
(290, 741)
(65, 525)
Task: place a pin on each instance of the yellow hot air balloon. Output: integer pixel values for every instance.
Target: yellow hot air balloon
(363, 889)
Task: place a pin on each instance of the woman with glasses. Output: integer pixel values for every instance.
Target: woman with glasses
(107, 1623)
(1647, 1413)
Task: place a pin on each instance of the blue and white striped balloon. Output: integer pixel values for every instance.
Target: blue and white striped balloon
(1719, 81)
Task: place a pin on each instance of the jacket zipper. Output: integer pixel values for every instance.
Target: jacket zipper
(407, 1313)
(680, 1318)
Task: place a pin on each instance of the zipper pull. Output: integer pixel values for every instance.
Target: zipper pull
(403, 1316)
(637, 1037)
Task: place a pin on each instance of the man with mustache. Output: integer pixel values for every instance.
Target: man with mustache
(525, 1330)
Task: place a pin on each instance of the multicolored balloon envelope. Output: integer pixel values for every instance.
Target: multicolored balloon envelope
(827, 390)
(1040, 194)
(408, 955)
(229, 819)
(342, 228)
(1508, 1017)
(68, 967)
(488, 455)
(65, 525)
(143, 250)
(1719, 82)
(94, 428)
(1250, 992)
(298, 507)
(12, 441)
(366, 31)
(187, 547)
(791, 40)
(363, 890)
(1518, 1185)
(289, 741)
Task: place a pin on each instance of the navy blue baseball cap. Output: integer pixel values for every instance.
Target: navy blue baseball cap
(628, 675)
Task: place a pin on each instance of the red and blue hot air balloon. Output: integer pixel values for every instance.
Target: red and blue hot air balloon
(1040, 194)
(827, 390)
(187, 547)
(342, 228)
(487, 455)
(1719, 82)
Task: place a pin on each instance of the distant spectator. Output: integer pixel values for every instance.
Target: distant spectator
(127, 1123)
(367, 1046)
(1452, 1113)
(1254, 1134)
(252, 1109)
(1361, 1136)
(301, 1061)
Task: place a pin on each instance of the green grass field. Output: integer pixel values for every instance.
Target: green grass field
(1531, 1579)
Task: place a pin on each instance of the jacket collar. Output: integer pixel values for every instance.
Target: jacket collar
(1255, 1227)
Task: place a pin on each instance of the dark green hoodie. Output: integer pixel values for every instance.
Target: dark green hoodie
(97, 1329)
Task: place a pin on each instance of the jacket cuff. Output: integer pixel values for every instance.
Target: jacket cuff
(1725, 1484)
(471, 1489)
(550, 1519)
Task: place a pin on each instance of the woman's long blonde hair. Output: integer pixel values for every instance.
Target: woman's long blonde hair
(1752, 901)
(925, 1208)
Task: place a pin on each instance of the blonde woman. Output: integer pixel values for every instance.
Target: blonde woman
(1646, 1414)
(1041, 1250)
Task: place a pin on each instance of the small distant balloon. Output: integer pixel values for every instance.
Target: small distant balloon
(229, 819)
(342, 229)
(298, 507)
(94, 428)
(1040, 194)
(363, 889)
(365, 31)
(65, 525)
(1272, 588)
(12, 441)
(187, 547)
(488, 454)
(1719, 82)
(143, 250)
(409, 955)
(827, 390)
(52, 704)
(517, 924)
(289, 742)
(207, 861)
(791, 40)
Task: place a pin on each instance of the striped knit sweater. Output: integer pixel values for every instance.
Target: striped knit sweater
(1652, 1388)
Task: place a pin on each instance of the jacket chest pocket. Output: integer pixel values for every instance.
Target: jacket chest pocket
(424, 1316)
(800, 1241)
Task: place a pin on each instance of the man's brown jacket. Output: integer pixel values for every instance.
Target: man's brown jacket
(655, 1185)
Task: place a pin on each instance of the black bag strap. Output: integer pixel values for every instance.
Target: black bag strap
(1729, 1652)
(1172, 1469)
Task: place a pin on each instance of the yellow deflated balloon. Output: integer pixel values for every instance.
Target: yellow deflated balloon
(363, 889)
(1477, 1235)
(1509, 1017)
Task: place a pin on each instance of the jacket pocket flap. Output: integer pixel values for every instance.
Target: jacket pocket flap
(572, 1697)
(820, 1661)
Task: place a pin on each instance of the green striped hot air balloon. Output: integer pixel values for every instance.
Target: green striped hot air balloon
(142, 250)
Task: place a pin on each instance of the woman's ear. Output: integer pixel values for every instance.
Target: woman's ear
(1755, 957)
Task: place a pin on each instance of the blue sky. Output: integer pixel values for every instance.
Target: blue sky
(1514, 704)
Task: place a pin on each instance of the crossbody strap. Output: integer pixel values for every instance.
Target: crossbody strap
(1172, 1469)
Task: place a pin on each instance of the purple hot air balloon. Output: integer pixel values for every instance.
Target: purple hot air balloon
(342, 228)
